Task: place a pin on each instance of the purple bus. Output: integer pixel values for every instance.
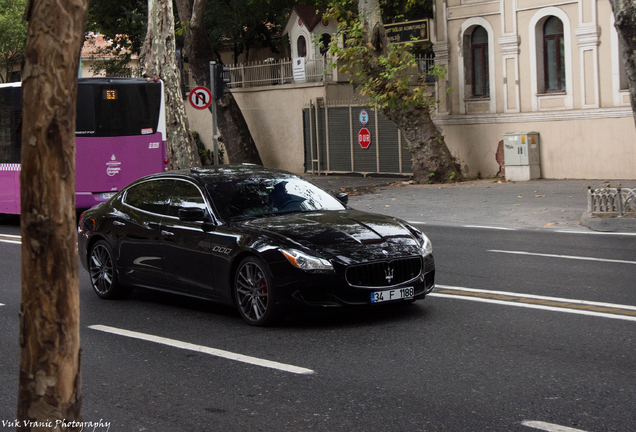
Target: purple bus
(120, 136)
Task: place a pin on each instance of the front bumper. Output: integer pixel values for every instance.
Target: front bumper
(332, 290)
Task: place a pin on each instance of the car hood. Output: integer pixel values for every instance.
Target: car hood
(349, 236)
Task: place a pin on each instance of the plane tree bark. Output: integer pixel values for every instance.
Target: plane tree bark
(236, 136)
(384, 73)
(49, 383)
(158, 59)
(625, 22)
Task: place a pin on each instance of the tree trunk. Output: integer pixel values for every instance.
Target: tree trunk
(432, 161)
(158, 59)
(50, 385)
(236, 136)
(625, 22)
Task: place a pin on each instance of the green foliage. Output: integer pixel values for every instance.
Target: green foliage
(122, 21)
(13, 32)
(112, 60)
(238, 25)
(391, 80)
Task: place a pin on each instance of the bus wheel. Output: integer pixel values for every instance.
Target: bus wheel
(101, 267)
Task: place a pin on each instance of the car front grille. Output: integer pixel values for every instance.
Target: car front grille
(384, 273)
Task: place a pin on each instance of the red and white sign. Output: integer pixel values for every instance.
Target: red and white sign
(364, 138)
(200, 98)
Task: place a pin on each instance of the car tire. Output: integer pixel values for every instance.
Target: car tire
(103, 272)
(254, 292)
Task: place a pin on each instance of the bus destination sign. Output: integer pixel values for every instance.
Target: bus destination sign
(110, 94)
(408, 31)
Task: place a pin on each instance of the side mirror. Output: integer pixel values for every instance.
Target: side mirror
(343, 197)
(192, 214)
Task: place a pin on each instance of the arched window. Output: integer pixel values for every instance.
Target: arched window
(479, 55)
(325, 40)
(301, 46)
(553, 55)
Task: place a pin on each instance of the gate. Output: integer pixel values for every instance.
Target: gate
(331, 134)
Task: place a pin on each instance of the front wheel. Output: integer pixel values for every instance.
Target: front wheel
(254, 292)
(101, 266)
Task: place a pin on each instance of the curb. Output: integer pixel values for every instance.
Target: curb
(613, 224)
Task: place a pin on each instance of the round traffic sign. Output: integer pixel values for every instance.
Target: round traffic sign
(364, 117)
(200, 98)
(364, 138)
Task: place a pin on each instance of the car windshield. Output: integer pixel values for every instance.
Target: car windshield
(257, 197)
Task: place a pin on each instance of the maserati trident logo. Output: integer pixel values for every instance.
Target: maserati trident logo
(388, 273)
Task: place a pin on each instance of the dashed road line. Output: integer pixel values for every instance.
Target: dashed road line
(549, 427)
(555, 304)
(203, 349)
(582, 258)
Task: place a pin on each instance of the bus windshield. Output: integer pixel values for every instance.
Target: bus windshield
(119, 137)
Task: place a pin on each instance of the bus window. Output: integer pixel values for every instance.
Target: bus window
(10, 116)
(120, 110)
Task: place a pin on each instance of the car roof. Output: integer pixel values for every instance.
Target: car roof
(224, 173)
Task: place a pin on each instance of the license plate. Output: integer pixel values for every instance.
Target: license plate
(108, 195)
(394, 294)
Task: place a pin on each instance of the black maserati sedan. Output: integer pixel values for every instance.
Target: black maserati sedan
(263, 240)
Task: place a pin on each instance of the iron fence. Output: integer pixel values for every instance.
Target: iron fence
(281, 71)
(611, 200)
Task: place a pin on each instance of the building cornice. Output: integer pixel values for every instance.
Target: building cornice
(543, 116)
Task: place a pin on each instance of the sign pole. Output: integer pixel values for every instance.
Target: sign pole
(214, 130)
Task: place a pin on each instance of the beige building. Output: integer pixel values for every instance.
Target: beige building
(546, 66)
(551, 67)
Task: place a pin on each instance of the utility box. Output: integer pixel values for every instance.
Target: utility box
(522, 156)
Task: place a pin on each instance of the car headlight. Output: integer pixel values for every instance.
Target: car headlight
(427, 246)
(306, 262)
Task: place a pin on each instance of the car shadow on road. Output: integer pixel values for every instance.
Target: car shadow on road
(302, 319)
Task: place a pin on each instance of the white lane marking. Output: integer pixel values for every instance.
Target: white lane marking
(8, 238)
(595, 232)
(489, 227)
(535, 306)
(532, 296)
(203, 349)
(542, 229)
(564, 256)
(549, 427)
(10, 241)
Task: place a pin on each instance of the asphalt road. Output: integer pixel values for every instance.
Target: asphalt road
(525, 326)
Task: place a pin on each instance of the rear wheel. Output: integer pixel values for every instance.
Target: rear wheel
(254, 292)
(101, 267)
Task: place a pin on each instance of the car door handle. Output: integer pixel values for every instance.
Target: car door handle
(166, 233)
(117, 223)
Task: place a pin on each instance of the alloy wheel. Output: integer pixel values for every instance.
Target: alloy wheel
(101, 269)
(252, 292)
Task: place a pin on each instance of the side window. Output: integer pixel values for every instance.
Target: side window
(185, 195)
(152, 196)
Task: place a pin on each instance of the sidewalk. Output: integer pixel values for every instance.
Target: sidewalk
(544, 204)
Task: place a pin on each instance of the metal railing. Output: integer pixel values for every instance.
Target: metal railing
(611, 200)
(281, 71)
